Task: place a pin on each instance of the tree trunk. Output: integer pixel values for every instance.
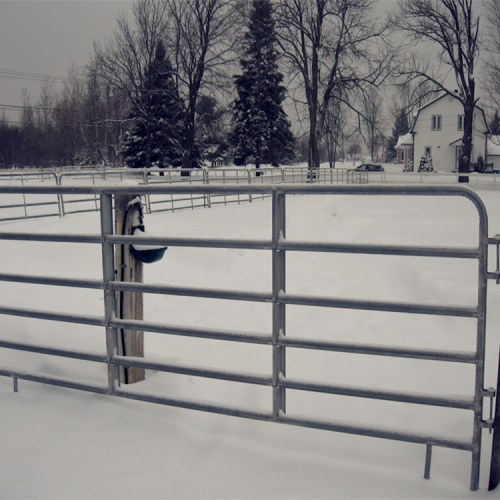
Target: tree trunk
(148, 151)
(313, 157)
(187, 158)
(466, 153)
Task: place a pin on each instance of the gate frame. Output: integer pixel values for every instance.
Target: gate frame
(279, 298)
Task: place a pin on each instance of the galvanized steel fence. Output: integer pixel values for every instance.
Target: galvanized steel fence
(22, 207)
(277, 339)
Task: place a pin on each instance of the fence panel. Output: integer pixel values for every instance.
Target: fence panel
(280, 300)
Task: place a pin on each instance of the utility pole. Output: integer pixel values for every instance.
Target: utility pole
(106, 149)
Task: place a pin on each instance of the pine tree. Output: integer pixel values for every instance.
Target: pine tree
(156, 137)
(261, 130)
(211, 133)
(401, 127)
(426, 164)
(495, 124)
(408, 166)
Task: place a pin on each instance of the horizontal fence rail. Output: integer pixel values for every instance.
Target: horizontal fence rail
(23, 208)
(277, 339)
(59, 205)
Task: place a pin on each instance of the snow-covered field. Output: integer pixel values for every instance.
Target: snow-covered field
(58, 443)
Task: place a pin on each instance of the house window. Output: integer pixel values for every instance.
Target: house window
(427, 150)
(402, 155)
(436, 122)
(460, 125)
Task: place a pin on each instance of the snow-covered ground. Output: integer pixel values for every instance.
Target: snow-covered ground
(59, 443)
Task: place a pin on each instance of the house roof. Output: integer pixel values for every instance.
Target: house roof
(493, 145)
(404, 140)
(430, 103)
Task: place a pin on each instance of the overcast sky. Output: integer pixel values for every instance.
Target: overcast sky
(47, 36)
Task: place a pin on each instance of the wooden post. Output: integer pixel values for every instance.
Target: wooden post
(495, 446)
(129, 304)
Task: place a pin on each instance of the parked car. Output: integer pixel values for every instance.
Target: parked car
(370, 167)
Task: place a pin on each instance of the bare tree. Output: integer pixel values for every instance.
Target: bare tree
(197, 35)
(10, 143)
(451, 29)
(354, 151)
(45, 104)
(201, 40)
(68, 116)
(44, 120)
(493, 60)
(123, 59)
(334, 129)
(94, 114)
(331, 46)
(409, 96)
(371, 120)
(106, 109)
(28, 128)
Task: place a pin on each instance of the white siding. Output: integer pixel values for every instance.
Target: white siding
(443, 152)
(495, 160)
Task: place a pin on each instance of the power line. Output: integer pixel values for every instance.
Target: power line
(100, 124)
(30, 107)
(24, 75)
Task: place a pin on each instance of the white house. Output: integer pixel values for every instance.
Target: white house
(494, 151)
(404, 148)
(438, 130)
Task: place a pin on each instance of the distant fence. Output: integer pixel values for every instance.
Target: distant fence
(24, 206)
(437, 178)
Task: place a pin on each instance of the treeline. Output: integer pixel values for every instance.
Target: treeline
(80, 125)
(186, 82)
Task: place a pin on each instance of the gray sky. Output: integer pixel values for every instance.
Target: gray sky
(46, 36)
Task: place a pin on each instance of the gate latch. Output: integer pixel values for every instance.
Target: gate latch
(495, 275)
(488, 423)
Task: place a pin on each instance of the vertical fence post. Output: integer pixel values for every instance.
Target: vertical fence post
(206, 180)
(279, 318)
(60, 199)
(108, 266)
(25, 206)
(428, 457)
(495, 446)
(480, 347)
(129, 305)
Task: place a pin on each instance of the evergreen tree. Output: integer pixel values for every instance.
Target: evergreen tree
(495, 124)
(261, 131)
(408, 166)
(426, 163)
(401, 127)
(211, 131)
(156, 137)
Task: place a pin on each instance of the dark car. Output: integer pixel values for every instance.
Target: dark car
(370, 167)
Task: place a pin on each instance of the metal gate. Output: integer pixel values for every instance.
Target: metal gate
(277, 339)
